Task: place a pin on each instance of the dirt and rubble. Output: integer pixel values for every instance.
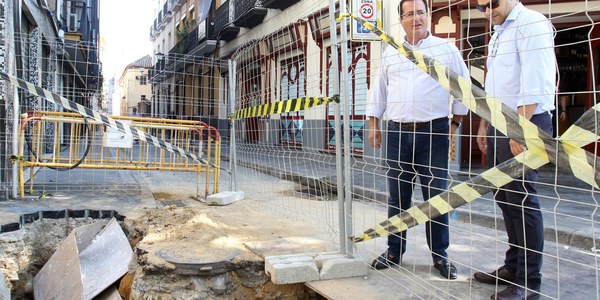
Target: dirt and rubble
(199, 253)
(183, 249)
(24, 252)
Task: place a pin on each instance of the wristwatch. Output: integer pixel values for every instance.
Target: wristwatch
(455, 123)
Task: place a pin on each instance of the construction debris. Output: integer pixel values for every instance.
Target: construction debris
(91, 259)
(4, 291)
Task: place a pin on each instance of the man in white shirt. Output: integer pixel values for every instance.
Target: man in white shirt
(418, 110)
(521, 73)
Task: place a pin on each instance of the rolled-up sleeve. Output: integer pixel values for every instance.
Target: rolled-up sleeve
(378, 101)
(459, 67)
(536, 53)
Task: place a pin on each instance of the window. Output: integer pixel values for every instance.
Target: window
(357, 74)
(143, 80)
(293, 85)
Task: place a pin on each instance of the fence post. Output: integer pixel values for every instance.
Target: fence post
(340, 167)
(346, 127)
(15, 141)
(232, 131)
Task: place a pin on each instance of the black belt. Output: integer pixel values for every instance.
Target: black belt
(416, 125)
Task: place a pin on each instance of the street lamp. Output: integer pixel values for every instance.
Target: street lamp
(156, 77)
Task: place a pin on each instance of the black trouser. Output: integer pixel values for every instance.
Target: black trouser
(521, 211)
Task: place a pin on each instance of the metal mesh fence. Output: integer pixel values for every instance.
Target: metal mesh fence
(291, 99)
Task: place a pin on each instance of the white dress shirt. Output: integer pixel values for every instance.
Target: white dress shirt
(408, 94)
(521, 62)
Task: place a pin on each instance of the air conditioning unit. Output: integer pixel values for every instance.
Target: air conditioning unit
(72, 23)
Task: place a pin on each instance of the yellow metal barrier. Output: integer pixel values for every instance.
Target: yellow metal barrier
(62, 140)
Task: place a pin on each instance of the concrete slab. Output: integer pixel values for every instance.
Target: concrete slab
(294, 272)
(342, 267)
(324, 256)
(224, 198)
(333, 265)
(4, 291)
(293, 268)
(274, 262)
(89, 260)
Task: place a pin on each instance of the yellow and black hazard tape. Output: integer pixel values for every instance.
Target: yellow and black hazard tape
(89, 113)
(290, 105)
(16, 158)
(542, 148)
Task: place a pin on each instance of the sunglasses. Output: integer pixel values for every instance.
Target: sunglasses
(492, 5)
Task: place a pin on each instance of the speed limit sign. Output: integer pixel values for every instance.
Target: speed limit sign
(367, 10)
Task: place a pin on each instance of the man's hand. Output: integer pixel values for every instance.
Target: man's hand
(374, 132)
(563, 115)
(375, 137)
(515, 147)
(525, 111)
(482, 136)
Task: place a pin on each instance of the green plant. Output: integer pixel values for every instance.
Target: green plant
(182, 34)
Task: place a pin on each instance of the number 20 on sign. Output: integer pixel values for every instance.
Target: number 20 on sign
(368, 10)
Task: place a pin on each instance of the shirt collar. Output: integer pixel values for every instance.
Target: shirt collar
(514, 13)
(424, 42)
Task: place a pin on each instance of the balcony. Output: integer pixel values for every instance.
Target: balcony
(154, 31)
(249, 13)
(156, 74)
(206, 45)
(81, 58)
(224, 29)
(177, 4)
(78, 53)
(279, 4)
(168, 16)
(186, 43)
(161, 21)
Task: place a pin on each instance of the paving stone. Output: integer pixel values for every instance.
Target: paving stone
(342, 267)
(295, 272)
(271, 261)
(224, 198)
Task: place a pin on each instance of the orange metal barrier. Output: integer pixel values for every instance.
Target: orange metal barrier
(63, 140)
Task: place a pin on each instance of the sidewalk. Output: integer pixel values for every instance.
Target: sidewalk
(571, 209)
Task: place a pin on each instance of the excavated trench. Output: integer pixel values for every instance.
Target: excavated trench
(179, 253)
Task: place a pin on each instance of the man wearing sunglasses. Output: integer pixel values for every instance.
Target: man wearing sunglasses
(521, 69)
(417, 108)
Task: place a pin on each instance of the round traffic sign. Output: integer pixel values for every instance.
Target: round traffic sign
(367, 11)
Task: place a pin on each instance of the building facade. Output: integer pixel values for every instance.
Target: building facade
(283, 49)
(52, 44)
(135, 90)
